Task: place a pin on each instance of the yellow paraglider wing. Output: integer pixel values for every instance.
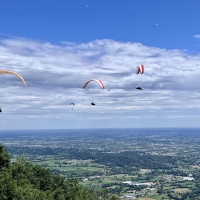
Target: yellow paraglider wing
(10, 72)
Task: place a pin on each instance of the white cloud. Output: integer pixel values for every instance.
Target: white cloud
(197, 36)
(55, 75)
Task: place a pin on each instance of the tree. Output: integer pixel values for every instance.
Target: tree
(4, 157)
(114, 197)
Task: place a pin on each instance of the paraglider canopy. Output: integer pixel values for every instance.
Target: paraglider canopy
(155, 26)
(72, 104)
(140, 69)
(96, 80)
(10, 72)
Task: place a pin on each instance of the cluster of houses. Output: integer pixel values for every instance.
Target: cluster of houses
(172, 177)
(148, 184)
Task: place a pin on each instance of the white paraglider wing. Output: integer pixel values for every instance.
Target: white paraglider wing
(96, 80)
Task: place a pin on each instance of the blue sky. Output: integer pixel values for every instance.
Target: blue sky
(105, 39)
(129, 20)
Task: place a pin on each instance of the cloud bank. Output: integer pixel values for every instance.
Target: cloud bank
(55, 75)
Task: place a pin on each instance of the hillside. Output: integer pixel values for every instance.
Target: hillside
(23, 180)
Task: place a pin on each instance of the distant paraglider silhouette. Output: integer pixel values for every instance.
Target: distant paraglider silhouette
(139, 70)
(97, 81)
(139, 88)
(72, 104)
(155, 26)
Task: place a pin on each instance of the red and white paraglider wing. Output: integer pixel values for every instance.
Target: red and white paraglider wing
(140, 69)
(96, 80)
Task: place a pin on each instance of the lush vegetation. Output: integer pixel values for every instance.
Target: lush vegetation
(131, 163)
(23, 180)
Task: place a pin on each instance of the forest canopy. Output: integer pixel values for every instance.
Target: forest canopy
(24, 180)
